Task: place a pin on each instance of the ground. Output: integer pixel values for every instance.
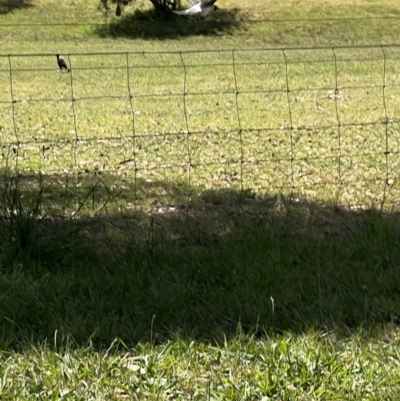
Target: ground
(202, 210)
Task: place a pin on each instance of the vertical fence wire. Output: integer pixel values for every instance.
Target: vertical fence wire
(71, 72)
(290, 119)
(386, 185)
(185, 116)
(132, 110)
(13, 102)
(238, 119)
(338, 125)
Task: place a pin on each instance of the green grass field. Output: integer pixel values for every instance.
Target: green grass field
(200, 210)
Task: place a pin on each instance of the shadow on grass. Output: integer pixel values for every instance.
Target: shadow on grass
(195, 268)
(151, 24)
(7, 6)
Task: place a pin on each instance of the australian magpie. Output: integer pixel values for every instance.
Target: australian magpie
(199, 9)
(61, 63)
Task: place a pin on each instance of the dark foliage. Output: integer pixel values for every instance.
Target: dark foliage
(157, 24)
(7, 6)
(163, 6)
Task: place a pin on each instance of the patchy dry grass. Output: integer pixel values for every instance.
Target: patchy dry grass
(321, 124)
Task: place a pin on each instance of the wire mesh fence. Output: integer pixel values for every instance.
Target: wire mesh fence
(161, 131)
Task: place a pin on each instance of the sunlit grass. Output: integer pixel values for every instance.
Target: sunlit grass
(313, 367)
(239, 24)
(321, 123)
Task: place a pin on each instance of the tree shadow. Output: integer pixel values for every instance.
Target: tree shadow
(151, 24)
(7, 6)
(189, 262)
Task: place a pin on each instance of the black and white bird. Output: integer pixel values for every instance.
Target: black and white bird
(199, 9)
(61, 63)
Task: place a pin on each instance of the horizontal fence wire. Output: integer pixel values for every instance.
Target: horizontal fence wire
(248, 21)
(132, 130)
(298, 49)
